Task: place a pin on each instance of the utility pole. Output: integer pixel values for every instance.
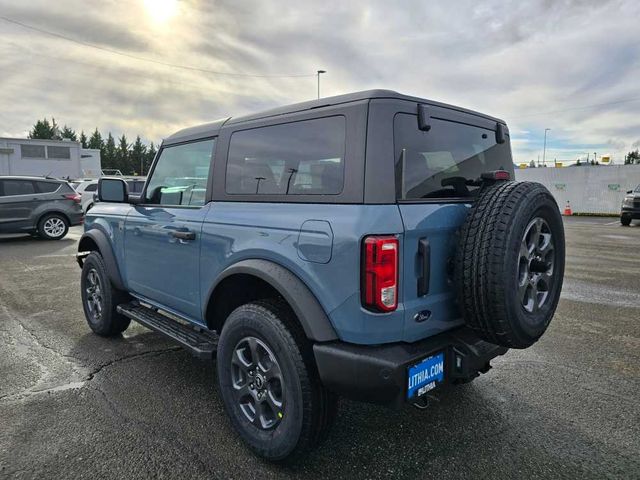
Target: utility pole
(544, 149)
(318, 73)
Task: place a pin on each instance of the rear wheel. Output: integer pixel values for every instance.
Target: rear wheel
(510, 263)
(269, 383)
(100, 299)
(53, 226)
(625, 220)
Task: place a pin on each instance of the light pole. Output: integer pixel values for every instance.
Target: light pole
(319, 72)
(544, 149)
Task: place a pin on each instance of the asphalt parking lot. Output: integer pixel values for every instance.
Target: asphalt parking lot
(74, 405)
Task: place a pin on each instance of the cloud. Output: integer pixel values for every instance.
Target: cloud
(572, 66)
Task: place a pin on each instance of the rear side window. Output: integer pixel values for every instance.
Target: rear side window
(441, 162)
(179, 177)
(300, 158)
(93, 187)
(47, 187)
(17, 187)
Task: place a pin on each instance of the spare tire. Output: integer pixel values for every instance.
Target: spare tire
(510, 263)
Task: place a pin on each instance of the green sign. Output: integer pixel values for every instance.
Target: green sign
(614, 187)
(561, 186)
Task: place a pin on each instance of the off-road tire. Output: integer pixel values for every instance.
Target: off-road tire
(625, 220)
(487, 265)
(110, 322)
(308, 409)
(45, 230)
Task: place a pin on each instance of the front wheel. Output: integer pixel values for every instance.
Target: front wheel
(269, 384)
(625, 220)
(100, 299)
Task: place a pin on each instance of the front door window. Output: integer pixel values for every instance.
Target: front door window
(179, 177)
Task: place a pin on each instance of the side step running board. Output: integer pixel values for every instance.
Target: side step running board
(202, 344)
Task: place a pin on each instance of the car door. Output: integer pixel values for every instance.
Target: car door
(17, 199)
(162, 232)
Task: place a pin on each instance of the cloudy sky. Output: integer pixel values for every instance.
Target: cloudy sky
(571, 66)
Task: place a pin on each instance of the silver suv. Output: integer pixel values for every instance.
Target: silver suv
(36, 205)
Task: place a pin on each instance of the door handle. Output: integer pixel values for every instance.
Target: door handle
(424, 260)
(183, 235)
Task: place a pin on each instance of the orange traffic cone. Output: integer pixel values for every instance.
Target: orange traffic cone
(567, 209)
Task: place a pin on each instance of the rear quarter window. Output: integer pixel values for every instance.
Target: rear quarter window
(298, 158)
(47, 187)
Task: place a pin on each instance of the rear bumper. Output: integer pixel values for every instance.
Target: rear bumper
(76, 218)
(378, 374)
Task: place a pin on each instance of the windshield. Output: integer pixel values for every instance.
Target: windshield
(445, 161)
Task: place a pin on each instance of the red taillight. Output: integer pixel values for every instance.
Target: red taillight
(496, 175)
(380, 273)
(73, 196)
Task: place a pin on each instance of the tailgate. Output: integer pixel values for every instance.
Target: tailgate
(428, 292)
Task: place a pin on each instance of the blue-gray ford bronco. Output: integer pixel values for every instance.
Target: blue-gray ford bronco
(372, 246)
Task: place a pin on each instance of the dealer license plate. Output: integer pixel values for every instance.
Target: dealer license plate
(425, 376)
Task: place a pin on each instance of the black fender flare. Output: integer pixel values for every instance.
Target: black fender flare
(99, 238)
(305, 305)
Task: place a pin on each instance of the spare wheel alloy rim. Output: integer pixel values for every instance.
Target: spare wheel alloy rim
(536, 265)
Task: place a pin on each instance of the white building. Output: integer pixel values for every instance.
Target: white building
(54, 158)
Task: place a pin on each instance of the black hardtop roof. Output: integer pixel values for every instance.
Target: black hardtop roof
(212, 128)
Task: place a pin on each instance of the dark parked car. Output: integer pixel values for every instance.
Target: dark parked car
(43, 206)
(370, 245)
(630, 207)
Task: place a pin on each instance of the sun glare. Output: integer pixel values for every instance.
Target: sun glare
(161, 11)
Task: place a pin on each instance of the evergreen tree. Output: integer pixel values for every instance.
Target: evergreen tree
(96, 141)
(122, 156)
(151, 154)
(69, 133)
(83, 139)
(138, 156)
(632, 157)
(108, 153)
(42, 130)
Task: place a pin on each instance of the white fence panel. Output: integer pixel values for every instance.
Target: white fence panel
(589, 189)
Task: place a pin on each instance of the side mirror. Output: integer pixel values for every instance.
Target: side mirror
(629, 191)
(113, 190)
